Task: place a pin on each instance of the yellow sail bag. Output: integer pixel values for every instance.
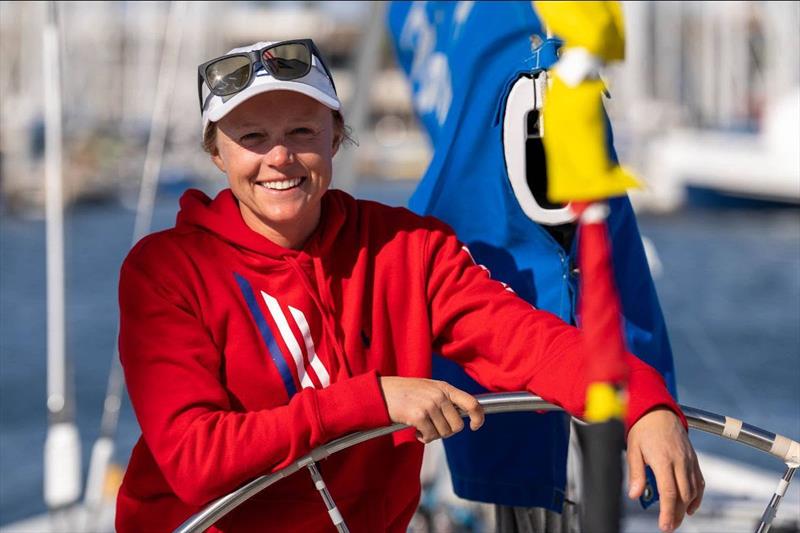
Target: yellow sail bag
(579, 166)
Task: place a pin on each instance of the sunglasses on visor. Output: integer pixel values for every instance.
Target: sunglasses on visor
(232, 73)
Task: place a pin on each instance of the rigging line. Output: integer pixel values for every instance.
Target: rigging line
(103, 448)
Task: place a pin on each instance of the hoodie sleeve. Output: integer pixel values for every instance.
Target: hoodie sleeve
(507, 345)
(203, 446)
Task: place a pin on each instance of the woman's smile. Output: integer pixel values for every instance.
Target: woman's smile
(282, 185)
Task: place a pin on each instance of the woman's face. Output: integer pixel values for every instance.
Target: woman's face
(277, 150)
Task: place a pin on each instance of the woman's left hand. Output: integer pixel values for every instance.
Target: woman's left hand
(658, 439)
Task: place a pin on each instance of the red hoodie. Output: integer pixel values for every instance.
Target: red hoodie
(241, 356)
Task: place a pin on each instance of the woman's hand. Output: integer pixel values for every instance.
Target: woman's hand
(659, 440)
(430, 406)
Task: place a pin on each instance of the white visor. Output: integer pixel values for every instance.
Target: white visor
(316, 84)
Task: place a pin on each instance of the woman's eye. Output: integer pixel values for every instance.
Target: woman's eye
(302, 131)
(251, 137)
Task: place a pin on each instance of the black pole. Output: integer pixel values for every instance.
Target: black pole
(602, 445)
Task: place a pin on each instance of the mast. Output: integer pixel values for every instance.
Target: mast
(62, 450)
(103, 448)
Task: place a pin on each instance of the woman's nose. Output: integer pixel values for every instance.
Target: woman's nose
(280, 155)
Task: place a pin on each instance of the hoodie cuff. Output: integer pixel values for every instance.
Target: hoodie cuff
(647, 391)
(355, 404)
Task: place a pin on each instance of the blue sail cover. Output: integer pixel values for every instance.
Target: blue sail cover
(463, 59)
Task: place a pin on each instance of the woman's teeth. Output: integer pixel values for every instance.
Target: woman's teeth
(281, 185)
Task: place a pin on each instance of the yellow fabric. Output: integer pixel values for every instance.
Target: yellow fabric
(578, 162)
(603, 403)
(596, 26)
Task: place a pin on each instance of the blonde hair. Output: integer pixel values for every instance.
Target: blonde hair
(342, 134)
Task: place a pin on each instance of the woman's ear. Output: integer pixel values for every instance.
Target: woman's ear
(210, 145)
(215, 157)
(339, 131)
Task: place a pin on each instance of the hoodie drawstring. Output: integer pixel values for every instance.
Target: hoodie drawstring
(339, 359)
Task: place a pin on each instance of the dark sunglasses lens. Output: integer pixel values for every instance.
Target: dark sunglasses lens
(288, 61)
(228, 75)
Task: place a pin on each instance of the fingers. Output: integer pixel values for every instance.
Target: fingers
(672, 509)
(695, 504)
(687, 486)
(680, 485)
(444, 414)
(436, 417)
(468, 404)
(700, 485)
(636, 475)
(441, 422)
(453, 417)
(689, 483)
(426, 430)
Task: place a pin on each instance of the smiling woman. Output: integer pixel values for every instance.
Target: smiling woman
(281, 315)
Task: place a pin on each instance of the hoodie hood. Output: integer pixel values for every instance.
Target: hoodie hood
(222, 217)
